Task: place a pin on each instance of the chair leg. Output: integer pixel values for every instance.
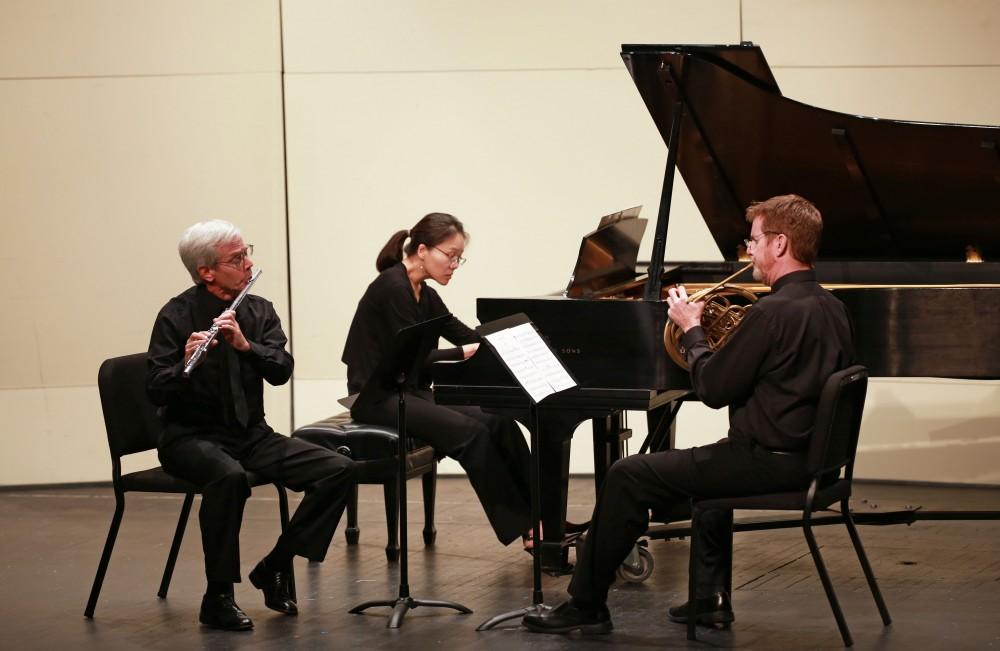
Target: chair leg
(352, 533)
(391, 519)
(692, 575)
(283, 515)
(863, 559)
(430, 491)
(102, 566)
(175, 546)
(831, 596)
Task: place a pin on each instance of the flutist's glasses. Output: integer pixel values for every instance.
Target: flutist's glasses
(455, 260)
(238, 259)
(754, 239)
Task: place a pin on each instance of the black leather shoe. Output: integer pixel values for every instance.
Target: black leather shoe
(716, 609)
(220, 611)
(274, 585)
(568, 617)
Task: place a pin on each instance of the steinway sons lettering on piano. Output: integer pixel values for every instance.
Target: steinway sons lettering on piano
(531, 361)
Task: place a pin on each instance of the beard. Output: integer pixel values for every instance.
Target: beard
(758, 273)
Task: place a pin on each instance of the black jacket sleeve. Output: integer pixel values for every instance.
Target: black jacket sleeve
(729, 374)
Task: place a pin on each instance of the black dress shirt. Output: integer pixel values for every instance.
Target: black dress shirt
(771, 371)
(203, 403)
(387, 307)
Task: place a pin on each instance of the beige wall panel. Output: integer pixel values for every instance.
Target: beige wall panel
(969, 95)
(66, 38)
(866, 33)
(401, 35)
(529, 160)
(317, 399)
(931, 430)
(53, 436)
(100, 178)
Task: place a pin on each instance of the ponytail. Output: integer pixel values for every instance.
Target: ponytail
(392, 253)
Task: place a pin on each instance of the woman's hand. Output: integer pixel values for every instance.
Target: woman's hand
(468, 350)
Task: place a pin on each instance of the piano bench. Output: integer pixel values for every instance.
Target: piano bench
(374, 447)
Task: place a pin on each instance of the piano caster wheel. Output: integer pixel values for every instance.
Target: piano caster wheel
(638, 566)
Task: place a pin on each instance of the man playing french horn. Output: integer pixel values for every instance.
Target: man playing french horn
(769, 373)
(213, 421)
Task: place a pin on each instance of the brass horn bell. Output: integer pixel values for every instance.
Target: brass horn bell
(725, 307)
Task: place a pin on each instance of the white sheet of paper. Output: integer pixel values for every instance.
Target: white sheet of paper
(531, 361)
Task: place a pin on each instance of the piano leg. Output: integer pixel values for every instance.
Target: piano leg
(554, 489)
(556, 439)
(609, 445)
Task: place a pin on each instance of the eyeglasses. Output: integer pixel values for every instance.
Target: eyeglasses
(455, 260)
(240, 258)
(753, 240)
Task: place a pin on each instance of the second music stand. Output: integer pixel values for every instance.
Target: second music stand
(542, 352)
(409, 352)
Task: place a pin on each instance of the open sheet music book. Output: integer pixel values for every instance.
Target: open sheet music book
(527, 356)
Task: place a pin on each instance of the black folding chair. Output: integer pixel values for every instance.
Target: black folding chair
(132, 425)
(830, 461)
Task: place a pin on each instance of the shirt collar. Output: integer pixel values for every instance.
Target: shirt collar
(209, 300)
(804, 276)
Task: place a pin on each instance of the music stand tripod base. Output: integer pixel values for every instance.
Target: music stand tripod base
(403, 604)
(537, 607)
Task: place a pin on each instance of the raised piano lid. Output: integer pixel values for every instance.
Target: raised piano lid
(887, 189)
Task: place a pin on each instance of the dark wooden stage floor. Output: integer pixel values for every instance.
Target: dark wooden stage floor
(941, 580)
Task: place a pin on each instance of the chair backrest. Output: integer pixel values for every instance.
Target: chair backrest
(129, 417)
(838, 423)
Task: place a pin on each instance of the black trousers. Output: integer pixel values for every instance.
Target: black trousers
(490, 448)
(665, 482)
(218, 466)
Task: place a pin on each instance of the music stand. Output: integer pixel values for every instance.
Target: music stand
(410, 348)
(533, 425)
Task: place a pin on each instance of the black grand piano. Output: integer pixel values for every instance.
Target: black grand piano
(911, 226)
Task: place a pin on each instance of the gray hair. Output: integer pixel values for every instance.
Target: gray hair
(197, 245)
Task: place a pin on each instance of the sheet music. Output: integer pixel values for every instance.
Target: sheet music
(531, 361)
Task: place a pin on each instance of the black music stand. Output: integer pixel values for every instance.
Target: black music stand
(409, 353)
(536, 507)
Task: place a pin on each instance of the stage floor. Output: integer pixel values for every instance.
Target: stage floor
(941, 580)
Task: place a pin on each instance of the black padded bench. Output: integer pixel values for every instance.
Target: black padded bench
(374, 448)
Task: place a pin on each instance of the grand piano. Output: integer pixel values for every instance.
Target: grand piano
(911, 225)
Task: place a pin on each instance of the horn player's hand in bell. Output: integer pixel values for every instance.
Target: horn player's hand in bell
(685, 315)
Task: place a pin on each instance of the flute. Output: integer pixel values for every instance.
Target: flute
(202, 348)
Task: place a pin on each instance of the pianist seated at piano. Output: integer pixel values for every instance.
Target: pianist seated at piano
(770, 374)
(490, 449)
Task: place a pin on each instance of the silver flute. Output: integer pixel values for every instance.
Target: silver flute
(202, 348)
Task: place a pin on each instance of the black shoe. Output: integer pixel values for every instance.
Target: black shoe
(220, 611)
(275, 587)
(716, 609)
(568, 617)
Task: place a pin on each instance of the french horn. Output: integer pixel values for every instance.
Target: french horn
(725, 307)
